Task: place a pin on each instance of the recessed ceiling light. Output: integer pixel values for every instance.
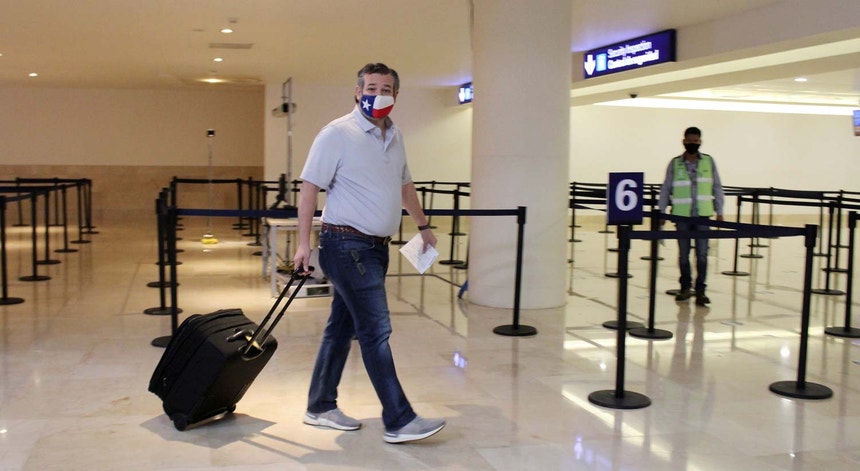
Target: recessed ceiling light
(801, 79)
(218, 59)
(213, 80)
(227, 30)
(33, 74)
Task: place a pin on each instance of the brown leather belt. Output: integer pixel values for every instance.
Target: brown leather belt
(351, 230)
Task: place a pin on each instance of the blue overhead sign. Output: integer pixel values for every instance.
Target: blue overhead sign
(466, 93)
(632, 54)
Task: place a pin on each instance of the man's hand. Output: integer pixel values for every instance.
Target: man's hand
(429, 239)
(302, 260)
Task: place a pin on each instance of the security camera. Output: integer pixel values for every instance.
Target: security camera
(633, 95)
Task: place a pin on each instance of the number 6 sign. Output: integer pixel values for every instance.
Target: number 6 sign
(624, 198)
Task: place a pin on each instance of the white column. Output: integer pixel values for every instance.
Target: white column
(520, 148)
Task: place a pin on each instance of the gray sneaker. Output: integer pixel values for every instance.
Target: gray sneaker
(332, 419)
(418, 429)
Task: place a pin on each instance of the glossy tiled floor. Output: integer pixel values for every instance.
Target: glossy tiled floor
(75, 360)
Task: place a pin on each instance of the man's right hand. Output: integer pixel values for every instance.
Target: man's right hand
(302, 260)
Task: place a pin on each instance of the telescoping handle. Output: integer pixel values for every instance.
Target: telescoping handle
(254, 347)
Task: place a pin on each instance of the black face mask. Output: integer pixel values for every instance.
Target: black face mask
(691, 148)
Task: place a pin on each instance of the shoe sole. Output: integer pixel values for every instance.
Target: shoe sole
(411, 437)
(319, 422)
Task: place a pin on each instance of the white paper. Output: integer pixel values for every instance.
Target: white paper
(412, 251)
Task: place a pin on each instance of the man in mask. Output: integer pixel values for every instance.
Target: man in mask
(360, 160)
(693, 183)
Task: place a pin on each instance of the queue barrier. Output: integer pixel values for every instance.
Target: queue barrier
(169, 215)
(619, 398)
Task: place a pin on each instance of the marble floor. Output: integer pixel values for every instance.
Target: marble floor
(75, 361)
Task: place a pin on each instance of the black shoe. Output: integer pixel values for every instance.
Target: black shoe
(701, 299)
(684, 294)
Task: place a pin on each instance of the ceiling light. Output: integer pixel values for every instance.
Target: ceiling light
(227, 30)
(212, 80)
(801, 79)
(33, 74)
(218, 59)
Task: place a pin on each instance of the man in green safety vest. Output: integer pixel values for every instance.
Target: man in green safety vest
(693, 185)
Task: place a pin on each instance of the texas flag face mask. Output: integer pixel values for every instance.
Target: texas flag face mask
(376, 106)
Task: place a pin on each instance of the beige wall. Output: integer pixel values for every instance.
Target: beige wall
(130, 142)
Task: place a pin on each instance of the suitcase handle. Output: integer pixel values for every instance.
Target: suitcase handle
(254, 346)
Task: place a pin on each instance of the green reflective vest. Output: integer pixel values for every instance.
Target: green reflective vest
(682, 193)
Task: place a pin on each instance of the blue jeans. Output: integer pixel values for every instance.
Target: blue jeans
(356, 266)
(701, 256)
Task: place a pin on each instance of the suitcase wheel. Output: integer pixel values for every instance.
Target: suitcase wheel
(180, 421)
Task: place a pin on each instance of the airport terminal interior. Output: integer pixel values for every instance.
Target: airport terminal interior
(124, 98)
(77, 358)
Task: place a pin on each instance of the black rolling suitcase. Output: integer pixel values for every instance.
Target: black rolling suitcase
(212, 360)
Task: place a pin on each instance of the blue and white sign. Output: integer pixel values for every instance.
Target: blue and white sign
(466, 93)
(632, 54)
(624, 198)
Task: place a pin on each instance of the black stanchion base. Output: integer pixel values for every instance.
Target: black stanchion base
(630, 325)
(161, 284)
(673, 292)
(848, 332)
(511, 330)
(575, 241)
(49, 261)
(161, 311)
(648, 257)
(829, 292)
(257, 254)
(451, 262)
(757, 245)
(606, 231)
(612, 249)
(807, 391)
(835, 270)
(35, 278)
(8, 301)
(735, 273)
(80, 241)
(627, 400)
(66, 250)
(160, 341)
(464, 266)
(254, 244)
(90, 232)
(751, 255)
(651, 334)
(167, 263)
(616, 275)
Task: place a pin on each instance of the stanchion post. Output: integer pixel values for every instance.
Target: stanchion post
(802, 389)
(650, 332)
(35, 276)
(847, 331)
(515, 329)
(826, 290)
(5, 300)
(734, 271)
(65, 223)
(619, 398)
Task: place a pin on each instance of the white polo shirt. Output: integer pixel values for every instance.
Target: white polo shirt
(362, 175)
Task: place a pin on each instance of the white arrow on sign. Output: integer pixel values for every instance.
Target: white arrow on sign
(589, 64)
